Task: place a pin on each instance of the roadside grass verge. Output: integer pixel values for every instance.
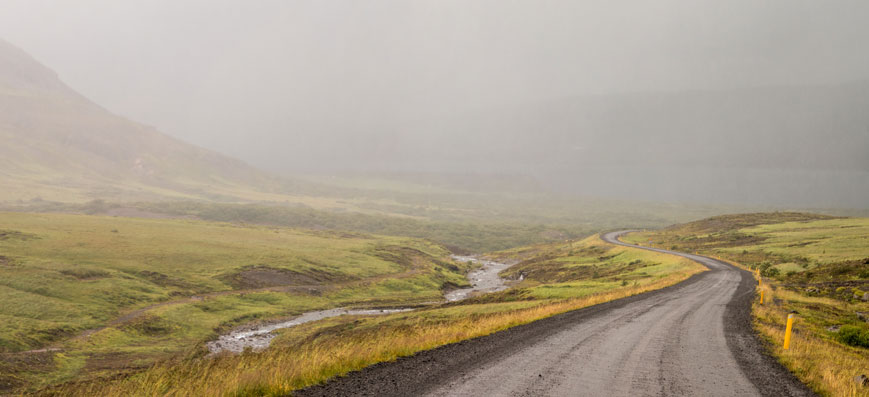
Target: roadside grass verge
(814, 355)
(312, 353)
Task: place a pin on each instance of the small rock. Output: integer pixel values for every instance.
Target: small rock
(865, 297)
(861, 380)
(862, 316)
(834, 328)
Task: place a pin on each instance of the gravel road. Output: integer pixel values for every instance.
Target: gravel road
(691, 339)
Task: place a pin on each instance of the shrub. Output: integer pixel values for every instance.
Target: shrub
(854, 336)
(770, 272)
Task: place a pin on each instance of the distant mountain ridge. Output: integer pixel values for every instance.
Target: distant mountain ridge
(57, 145)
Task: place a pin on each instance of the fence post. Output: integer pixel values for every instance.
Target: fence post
(788, 330)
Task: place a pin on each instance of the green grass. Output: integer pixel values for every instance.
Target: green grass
(99, 268)
(823, 241)
(65, 274)
(313, 352)
(573, 289)
(465, 220)
(589, 260)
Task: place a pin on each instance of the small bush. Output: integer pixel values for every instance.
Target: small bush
(853, 336)
(770, 272)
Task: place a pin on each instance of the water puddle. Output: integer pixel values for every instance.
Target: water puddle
(485, 279)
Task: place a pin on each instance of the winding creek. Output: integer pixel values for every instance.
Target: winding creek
(257, 337)
(485, 279)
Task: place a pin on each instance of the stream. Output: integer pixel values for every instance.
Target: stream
(485, 279)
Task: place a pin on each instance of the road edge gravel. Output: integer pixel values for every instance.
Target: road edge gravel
(767, 374)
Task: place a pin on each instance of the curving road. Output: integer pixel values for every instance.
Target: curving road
(691, 339)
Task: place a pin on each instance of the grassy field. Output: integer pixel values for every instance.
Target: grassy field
(109, 294)
(313, 352)
(815, 265)
(470, 217)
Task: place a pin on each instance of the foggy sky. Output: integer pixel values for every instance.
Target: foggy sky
(296, 86)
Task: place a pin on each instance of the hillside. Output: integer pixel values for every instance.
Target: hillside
(58, 145)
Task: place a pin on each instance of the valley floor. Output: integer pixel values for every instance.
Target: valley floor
(134, 301)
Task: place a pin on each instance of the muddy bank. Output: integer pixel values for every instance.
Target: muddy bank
(483, 280)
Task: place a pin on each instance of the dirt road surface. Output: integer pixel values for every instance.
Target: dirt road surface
(691, 339)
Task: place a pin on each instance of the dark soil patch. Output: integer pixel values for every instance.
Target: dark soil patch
(264, 276)
(45, 336)
(7, 261)
(834, 280)
(403, 256)
(12, 365)
(16, 235)
(165, 280)
(740, 221)
(85, 274)
(855, 270)
(133, 212)
(151, 326)
(9, 381)
(457, 250)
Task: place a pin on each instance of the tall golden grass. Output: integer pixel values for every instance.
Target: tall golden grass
(279, 371)
(827, 367)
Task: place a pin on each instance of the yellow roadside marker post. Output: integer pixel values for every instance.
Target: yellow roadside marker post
(761, 297)
(788, 330)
